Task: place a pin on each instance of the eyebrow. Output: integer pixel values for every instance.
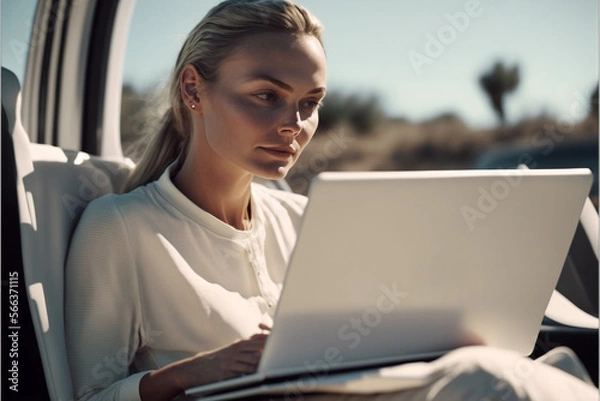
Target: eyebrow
(281, 84)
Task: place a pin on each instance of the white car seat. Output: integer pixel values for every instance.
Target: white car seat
(53, 188)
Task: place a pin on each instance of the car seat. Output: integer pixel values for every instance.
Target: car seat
(12, 267)
(53, 186)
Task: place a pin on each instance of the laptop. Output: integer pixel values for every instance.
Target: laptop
(391, 267)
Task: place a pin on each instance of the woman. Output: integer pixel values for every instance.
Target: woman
(174, 284)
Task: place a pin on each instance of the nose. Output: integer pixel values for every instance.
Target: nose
(291, 125)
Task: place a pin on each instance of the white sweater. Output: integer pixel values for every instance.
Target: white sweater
(151, 278)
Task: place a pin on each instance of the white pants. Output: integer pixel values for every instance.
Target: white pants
(485, 374)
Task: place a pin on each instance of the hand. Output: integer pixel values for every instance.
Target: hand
(239, 358)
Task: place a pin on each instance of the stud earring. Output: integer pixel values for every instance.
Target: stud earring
(193, 106)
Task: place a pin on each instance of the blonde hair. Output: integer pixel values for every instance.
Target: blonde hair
(207, 45)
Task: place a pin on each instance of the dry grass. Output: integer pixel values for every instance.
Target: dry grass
(443, 143)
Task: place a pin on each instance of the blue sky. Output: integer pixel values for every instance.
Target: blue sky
(370, 44)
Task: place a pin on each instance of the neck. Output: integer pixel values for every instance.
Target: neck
(219, 189)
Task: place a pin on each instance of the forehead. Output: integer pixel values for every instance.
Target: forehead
(295, 60)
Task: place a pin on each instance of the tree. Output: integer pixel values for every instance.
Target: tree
(362, 112)
(497, 83)
(132, 108)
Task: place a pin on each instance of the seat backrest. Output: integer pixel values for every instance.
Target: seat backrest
(32, 381)
(53, 188)
(575, 300)
(61, 184)
(579, 278)
(10, 92)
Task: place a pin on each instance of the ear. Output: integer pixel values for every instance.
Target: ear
(190, 84)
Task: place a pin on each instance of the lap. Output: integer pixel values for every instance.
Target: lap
(486, 373)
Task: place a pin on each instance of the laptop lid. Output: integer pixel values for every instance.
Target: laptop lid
(389, 266)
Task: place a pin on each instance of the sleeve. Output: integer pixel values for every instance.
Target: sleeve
(103, 322)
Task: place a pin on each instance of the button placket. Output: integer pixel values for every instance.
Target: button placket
(254, 263)
(258, 265)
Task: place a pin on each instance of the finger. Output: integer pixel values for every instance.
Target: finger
(235, 370)
(256, 340)
(254, 344)
(239, 367)
(263, 326)
(259, 336)
(246, 347)
(254, 347)
(250, 358)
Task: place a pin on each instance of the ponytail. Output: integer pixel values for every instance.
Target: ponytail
(162, 150)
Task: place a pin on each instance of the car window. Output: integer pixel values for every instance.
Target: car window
(149, 59)
(411, 85)
(17, 26)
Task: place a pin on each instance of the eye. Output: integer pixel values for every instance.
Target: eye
(268, 97)
(312, 104)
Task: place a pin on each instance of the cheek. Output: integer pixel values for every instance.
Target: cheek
(310, 127)
(242, 118)
(232, 127)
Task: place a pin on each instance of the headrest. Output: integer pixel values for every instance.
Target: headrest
(10, 91)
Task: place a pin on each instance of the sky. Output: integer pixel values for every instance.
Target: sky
(421, 57)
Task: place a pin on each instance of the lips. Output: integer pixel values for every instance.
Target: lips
(280, 151)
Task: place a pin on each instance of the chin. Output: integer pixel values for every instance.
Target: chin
(272, 172)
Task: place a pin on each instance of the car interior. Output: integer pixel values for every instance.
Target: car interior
(61, 149)
(52, 187)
